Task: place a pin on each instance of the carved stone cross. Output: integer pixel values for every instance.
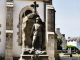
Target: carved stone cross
(34, 6)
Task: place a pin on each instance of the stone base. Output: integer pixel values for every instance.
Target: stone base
(25, 57)
(43, 57)
(52, 58)
(34, 57)
(8, 58)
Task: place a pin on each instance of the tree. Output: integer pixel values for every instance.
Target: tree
(58, 56)
(59, 42)
(72, 47)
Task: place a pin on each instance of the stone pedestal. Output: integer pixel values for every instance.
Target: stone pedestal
(51, 38)
(8, 58)
(25, 57)
(30, 57)
(52, 46)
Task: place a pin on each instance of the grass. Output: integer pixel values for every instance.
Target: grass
(1, 58)
(73, 55)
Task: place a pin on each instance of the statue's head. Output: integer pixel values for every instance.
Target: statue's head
(38, 20)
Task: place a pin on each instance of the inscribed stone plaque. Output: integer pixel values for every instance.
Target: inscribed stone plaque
(51, 20)
(9, 39)
(51, 46)
(9, 19)
(51, 41)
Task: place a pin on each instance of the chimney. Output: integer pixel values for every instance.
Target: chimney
(63, 35)
(69, 37)
(58, 29)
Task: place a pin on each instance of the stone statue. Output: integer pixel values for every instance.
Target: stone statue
(33, 33)
(37, 33)
(37, 37)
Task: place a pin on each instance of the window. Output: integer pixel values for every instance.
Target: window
(74, 40)
(26, 13)
(71, 40)
(68, 40)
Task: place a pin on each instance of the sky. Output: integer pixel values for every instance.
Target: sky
(67, 17)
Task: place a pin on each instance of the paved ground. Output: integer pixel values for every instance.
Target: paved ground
(74, 55)
(70, 58)
(67, 57)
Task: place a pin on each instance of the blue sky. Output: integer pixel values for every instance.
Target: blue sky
(68, 17)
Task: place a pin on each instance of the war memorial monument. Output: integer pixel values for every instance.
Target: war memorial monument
(34, 30)
(36, 37)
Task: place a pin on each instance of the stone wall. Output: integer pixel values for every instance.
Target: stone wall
(3, 26)
(70, 58)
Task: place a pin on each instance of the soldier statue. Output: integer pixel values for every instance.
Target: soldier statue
(37, 33)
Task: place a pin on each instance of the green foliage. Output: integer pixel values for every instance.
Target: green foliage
(59, 42)
(58, 56)
(72, 47)
(1, 58)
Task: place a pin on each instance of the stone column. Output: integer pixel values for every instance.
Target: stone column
(9, 30)
(51, 38)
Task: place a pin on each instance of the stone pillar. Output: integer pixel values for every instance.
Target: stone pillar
(51, 38)
(69, 50)
(9, 30)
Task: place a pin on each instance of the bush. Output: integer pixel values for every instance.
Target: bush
(59, 48)
(1, 58)
(58, 56)
(72, 47)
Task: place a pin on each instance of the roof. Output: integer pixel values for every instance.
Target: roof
(74, 38)
(59, 34)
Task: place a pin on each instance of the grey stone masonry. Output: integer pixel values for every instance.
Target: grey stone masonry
(0, 40)
(51, 40)
(51, 20)
(0, 32)
(19, 33)
(9, 30)
(9, 19)
(0, 25)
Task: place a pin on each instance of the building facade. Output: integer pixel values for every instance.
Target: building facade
(12, 13)
(75, 41)
(62, 36)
